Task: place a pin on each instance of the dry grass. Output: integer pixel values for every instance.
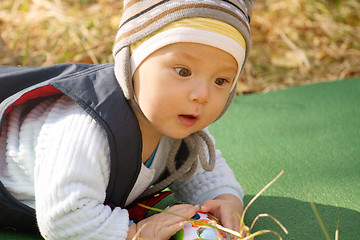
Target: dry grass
(294, 41)
(303, 41)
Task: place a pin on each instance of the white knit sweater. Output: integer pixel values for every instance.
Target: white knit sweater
(55, 157)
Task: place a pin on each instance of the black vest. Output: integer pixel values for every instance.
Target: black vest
(96, 90)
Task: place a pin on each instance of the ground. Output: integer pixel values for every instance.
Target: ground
(294, 42)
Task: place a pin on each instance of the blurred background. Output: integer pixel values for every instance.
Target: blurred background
(295, 42)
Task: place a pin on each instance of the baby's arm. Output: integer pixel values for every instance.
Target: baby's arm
(71, 176)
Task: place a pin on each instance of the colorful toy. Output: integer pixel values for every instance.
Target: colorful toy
(195, 230)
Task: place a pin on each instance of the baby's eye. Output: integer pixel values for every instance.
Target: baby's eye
(184, 72)
(221, 81)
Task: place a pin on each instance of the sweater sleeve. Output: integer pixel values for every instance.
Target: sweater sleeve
(208, 185)
(71, 176)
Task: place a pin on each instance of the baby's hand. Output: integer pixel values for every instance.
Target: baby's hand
(162, 226)
(224, 207)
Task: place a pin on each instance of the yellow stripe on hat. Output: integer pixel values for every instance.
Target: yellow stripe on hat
(205, 24)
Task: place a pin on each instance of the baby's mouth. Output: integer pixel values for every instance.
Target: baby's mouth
(188, 116)
(187, 120)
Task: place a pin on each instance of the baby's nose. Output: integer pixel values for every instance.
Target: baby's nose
(200, 92)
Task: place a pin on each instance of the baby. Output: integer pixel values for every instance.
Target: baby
(80, 143)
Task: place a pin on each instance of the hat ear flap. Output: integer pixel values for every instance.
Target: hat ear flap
(123, 72)
(228, 103)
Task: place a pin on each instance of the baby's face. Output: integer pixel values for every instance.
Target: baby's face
(183, 87)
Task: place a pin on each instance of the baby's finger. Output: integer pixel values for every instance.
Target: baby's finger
(228, 224)
(209, 206)
(168, 231)
(184, 210)
(229, 220)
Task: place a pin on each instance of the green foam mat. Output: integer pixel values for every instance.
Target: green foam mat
(312, 133)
